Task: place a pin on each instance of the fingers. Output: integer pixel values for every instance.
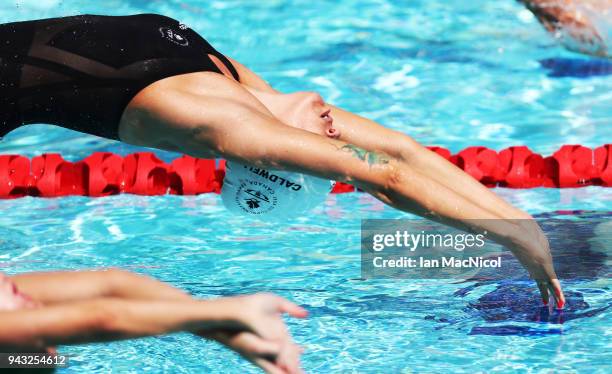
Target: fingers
(260, 347)
(273, 357)
(555, 287)
(540, 266)
(544, 292)
(268, 366)
(552, 288)
(294, 310)
(266, 341)
(252, 345)
(289, 358)
(260, 352)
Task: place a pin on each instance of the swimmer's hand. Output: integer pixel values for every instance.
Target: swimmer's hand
(532, 249)
(571, 24)
(259, 333)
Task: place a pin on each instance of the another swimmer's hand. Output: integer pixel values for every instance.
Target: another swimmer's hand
(260, 335)
(569, 24)
(532, 249)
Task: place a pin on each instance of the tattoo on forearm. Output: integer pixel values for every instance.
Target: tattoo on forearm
(371, 158)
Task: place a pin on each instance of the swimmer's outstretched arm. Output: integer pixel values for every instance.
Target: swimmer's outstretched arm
(69, 286)
(109, 319)
(169, 117)
(82, 287)
(372, 136)
(106, 319)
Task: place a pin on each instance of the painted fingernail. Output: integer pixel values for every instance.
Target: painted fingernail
(545, 302)
(560, 304)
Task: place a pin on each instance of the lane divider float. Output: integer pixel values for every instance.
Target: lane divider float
(143, 173)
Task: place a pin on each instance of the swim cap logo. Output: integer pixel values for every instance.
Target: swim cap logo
(173, 36)
(275, 178)
(255, 197)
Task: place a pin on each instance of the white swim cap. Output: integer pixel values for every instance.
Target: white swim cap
(266, 194)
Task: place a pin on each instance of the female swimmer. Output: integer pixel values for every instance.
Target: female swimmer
(41, 310)
(151, 81)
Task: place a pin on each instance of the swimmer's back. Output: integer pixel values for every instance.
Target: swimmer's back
(80, 72)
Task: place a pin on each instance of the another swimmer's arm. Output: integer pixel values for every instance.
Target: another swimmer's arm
(107, 319)
(548, 12)
(568, 15)
(69, 286)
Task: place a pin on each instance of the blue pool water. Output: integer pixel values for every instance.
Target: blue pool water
(450, 73)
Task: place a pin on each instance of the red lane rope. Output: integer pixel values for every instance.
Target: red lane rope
(103, 174)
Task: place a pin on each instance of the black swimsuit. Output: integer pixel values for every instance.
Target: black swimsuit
(81, 72)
